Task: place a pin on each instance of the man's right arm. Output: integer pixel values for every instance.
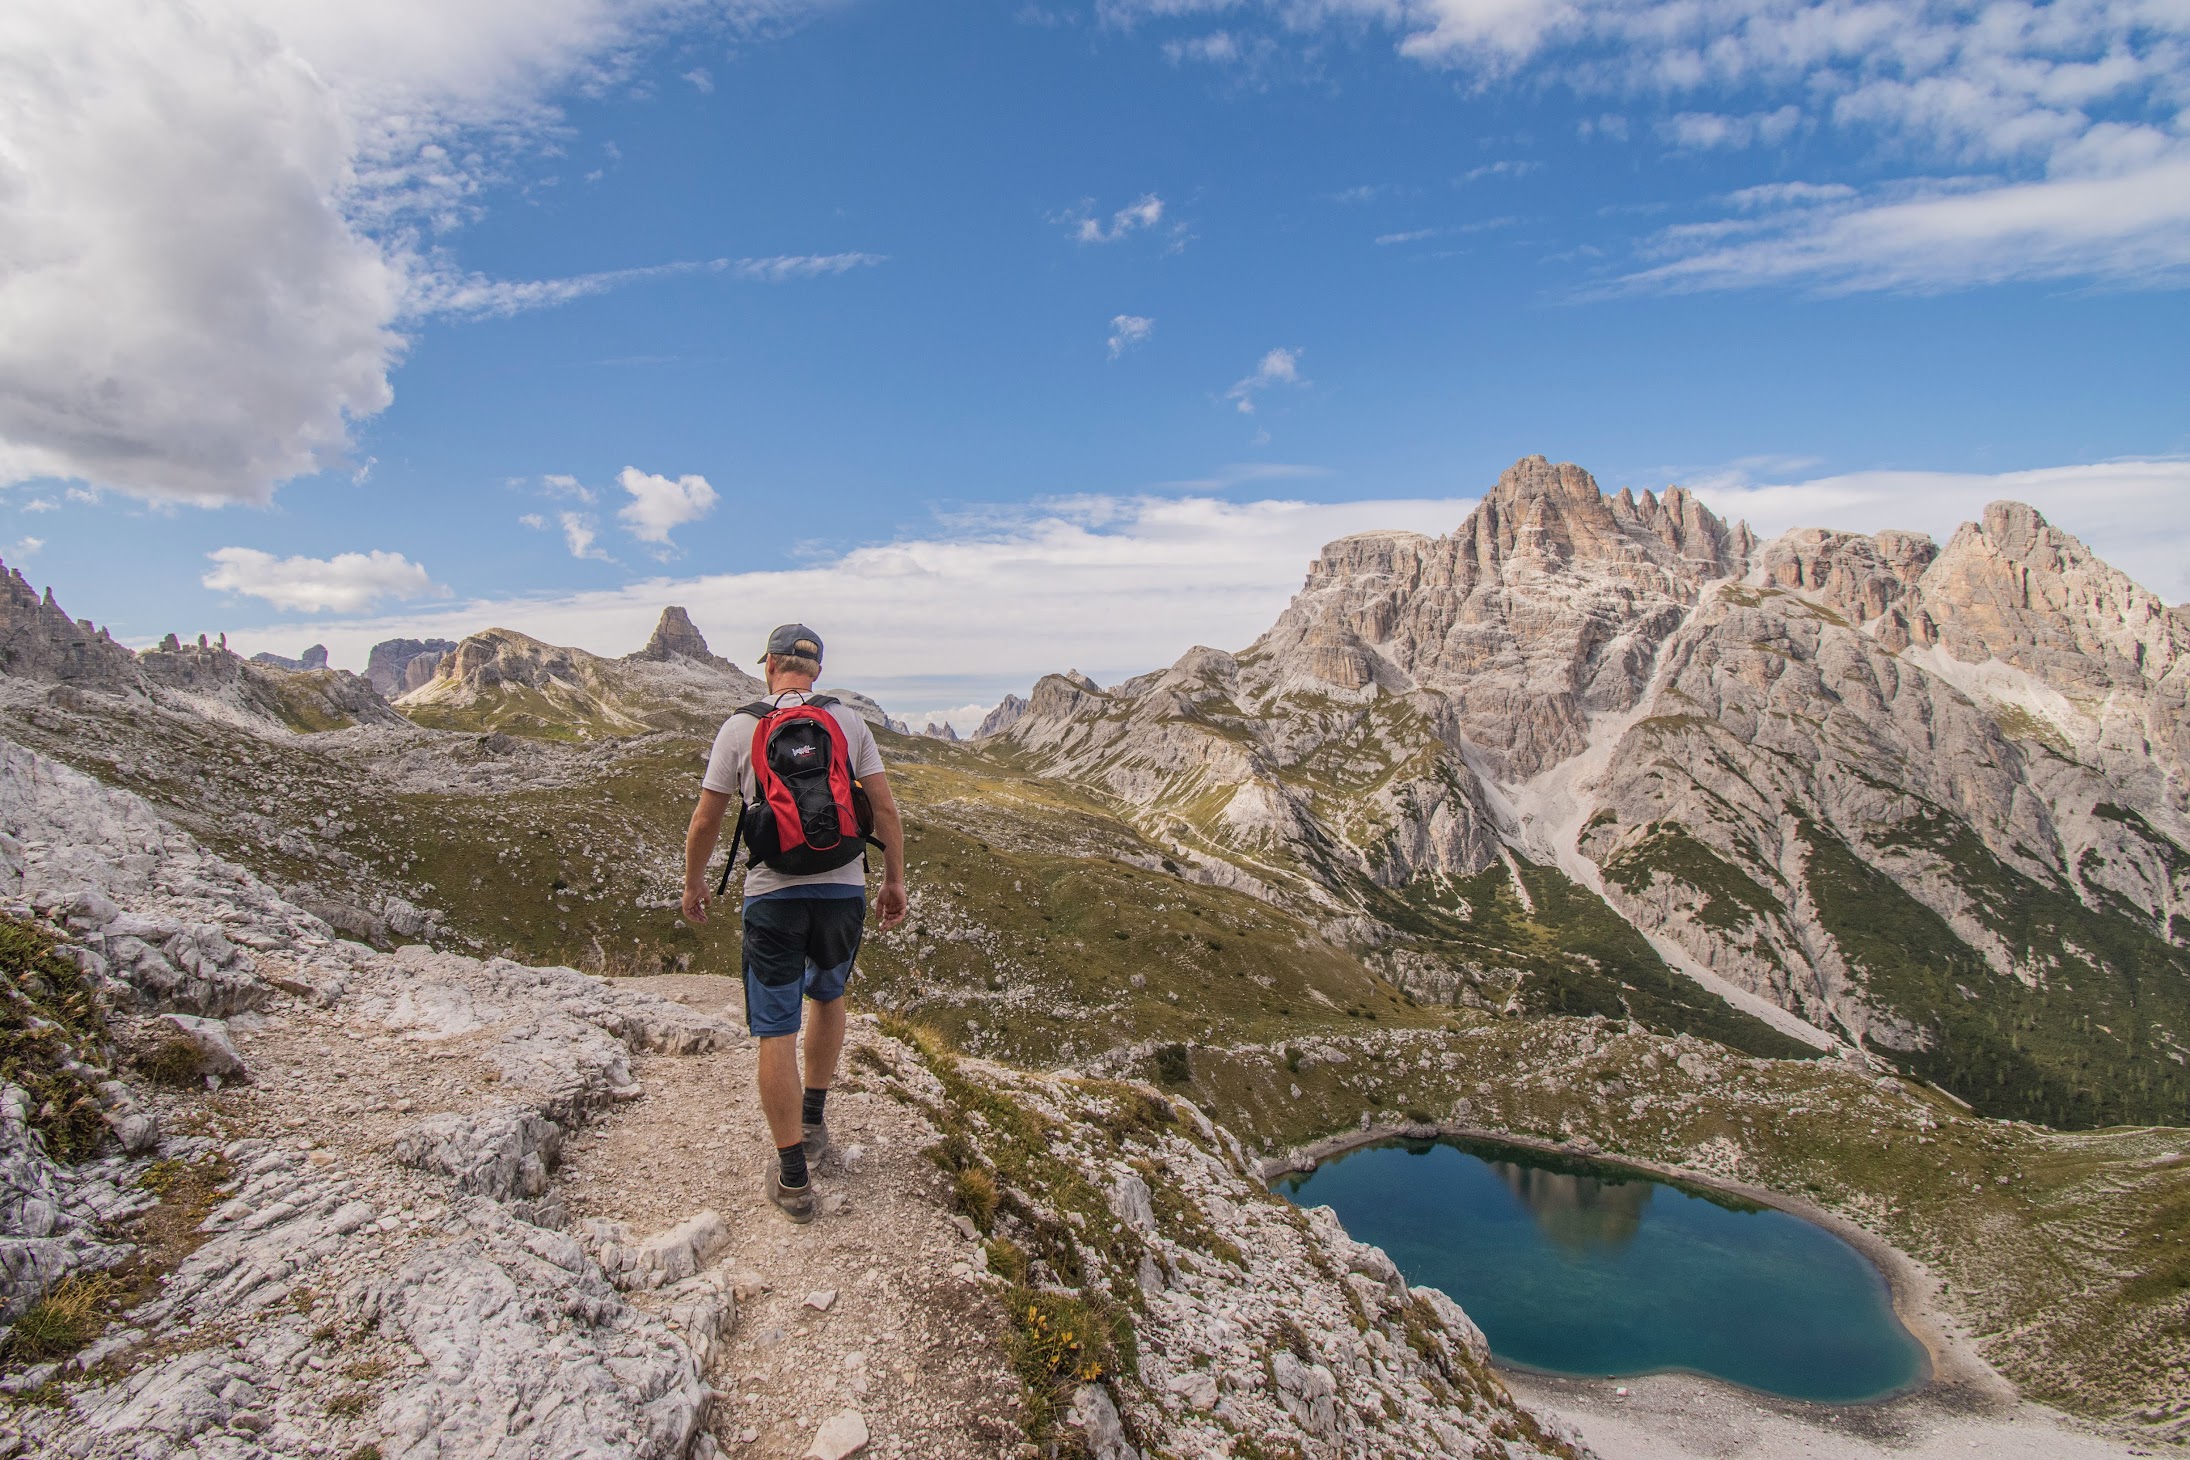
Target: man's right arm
(699, 847)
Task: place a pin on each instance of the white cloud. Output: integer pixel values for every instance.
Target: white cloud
(211, 214)
(2013, 141)
(2135, 514)
(1112, 585)
(1128, 330)
(534, 521)
(702, 79)
(2130, 228)
(1702, 131)
(27, 546)
(344, 583)
(579, 531)
(1116, 585)
(1412, 235)
(802, 266)
(41, 504)
(1278, 367)
(659, 506)
(563, 484)
(1145, 211)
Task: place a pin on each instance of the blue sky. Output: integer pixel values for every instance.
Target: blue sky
(330, 325)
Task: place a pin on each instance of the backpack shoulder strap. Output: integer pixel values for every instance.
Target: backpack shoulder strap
(737, 831)
(821, 702)
(759, 710)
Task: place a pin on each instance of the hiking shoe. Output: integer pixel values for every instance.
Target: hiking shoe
(797, 1203)
(815, 1138)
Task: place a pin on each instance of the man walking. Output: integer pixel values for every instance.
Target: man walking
(802, 929)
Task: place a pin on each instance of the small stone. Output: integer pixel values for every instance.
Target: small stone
(840, 1435)
(966, 1228)
(747, 1435)
(821, 1300)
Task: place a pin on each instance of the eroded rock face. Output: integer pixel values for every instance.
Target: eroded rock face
(1355, 735)
(1002, 718)
(397, 665)
(39, 641)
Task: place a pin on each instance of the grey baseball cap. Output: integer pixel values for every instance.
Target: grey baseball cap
(794, 639)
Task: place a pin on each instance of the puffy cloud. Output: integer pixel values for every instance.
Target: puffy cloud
(659, 506)
(25, 547)
(344, 583)
(211, 213)
(1145, 211)
(1128, 330)
(1278, 367)
(534, 521)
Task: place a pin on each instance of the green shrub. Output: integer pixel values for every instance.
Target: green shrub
(1172, 1065)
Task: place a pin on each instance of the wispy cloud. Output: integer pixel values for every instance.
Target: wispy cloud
(580, 529)
(476, 296)
(2008, 142)
(1144, 212)
(1278, 367)
(1128, 330)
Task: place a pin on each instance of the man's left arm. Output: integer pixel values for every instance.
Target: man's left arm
(890, 903)
(699, 845)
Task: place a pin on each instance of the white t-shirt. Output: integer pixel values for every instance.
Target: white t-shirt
(730, 771)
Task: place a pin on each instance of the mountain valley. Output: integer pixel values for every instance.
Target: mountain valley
(1850, 869)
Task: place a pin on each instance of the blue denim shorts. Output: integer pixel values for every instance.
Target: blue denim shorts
(798, 948)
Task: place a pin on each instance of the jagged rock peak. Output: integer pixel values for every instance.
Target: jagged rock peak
(940, 730)
(39, 641)
(1008, 712)
(1555, 513)
(676, 637)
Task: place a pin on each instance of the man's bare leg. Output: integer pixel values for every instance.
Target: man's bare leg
(824, 1042)
(780, 1092)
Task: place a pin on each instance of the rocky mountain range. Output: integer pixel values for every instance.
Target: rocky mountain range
(1930, 801)
(1593, 824)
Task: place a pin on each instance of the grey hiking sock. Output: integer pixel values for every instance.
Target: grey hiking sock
(816, 1101)
(792, 1159)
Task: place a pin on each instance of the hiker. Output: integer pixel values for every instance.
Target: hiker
(812, 799)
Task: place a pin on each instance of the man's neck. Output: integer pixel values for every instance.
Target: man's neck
(785, 684)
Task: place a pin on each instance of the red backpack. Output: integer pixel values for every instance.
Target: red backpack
(811, 815)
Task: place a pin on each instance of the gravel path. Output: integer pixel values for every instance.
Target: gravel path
(871, 1308)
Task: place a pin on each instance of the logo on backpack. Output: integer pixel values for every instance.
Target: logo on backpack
(809, 814)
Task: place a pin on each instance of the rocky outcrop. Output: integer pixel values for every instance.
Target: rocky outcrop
(1006, 714)
(940, 730)
(39, 641)
(312, 658)
(675, 637)
(397, 666)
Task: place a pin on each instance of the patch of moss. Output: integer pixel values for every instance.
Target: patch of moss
(50, 1023)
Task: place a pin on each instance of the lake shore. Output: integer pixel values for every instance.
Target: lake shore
(1959, 1379)
(1689, 1417)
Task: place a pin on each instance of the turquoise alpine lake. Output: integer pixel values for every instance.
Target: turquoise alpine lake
(1589, 1268)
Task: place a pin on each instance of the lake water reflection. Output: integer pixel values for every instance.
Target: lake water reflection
(1582, 1267)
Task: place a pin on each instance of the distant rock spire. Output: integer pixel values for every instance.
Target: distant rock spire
(676, 637)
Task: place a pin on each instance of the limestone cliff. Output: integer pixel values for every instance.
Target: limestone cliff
(1929, 800)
